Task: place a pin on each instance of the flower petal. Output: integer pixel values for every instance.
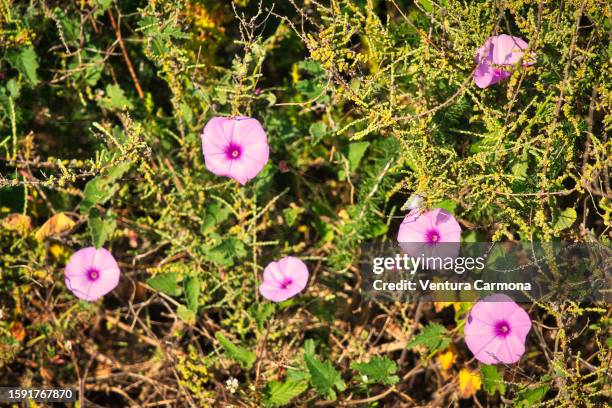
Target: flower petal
(484, 75)
(508, 50)
(218, 164)
(80, 261)
(414, 227)
(248, 131)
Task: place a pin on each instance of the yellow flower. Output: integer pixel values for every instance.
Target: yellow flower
(56, 250)
(469, 383)
(446, 359)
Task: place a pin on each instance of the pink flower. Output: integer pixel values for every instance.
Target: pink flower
(496, 58)
(496, 330)
(434, 233)
(284, 279)
(235, 147)
(91, 273)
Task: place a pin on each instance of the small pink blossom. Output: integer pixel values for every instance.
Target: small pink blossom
(496, 58)
(496, 330)
(235, 147)
(284, 279)
(434, 233)
(91, 273)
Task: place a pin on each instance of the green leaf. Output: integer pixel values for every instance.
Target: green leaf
(309, 347)
(115, 99)
(426, 4)
(215, 215)
(166, 283)
(245, 357)
(227, 252)
(378, 370)
(521, 168)
(291, 215)
(100, 229)
(297, 375)
(447, 205)
(186, 315)
(492, 379)
(564, 219)
(433, 337)
(281, 393)
(192, 292)
(262, 312)
(324, 377)
(530, 396)
(356, 150)
(26, 62)
(102, 5)
(317, 130)
(354, 154)
(101, 188)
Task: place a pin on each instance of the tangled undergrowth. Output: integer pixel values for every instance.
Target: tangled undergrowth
(364, 103)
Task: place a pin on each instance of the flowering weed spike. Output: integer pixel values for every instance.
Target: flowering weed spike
(284, 279)
(496, 329)
(91, 273)
(235, 147)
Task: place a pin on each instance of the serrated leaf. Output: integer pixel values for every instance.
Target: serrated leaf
(26, 62)
(530, 396)
(115, 99)
(101, 188)
(564, 219)
(317, 130)
(192, 292)
(215, 215)
(245, 357)
(297, 375)
(100, 229)
(378, 370)
(166, 283)
(492, 379)
(309, 347)
(433, 337)
(226, 253)
(281, 393)
(324, 377)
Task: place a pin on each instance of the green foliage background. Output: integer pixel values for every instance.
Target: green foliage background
(364, 103)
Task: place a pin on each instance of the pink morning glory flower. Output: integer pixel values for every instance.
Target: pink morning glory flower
(496, 58)
(235, 147)
(283, 279)
(91, 273)
(434, 233)
(496, 330)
